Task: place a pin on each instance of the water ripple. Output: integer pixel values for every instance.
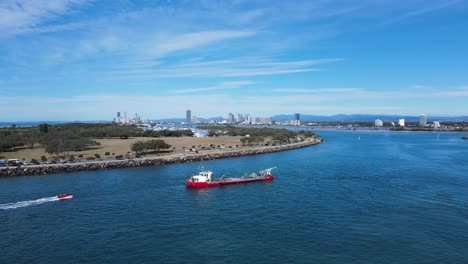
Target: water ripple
(387, 198)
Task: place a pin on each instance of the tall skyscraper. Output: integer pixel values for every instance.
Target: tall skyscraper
(239, 118)
(118, 114)
(297, 116)
(296, 121)
(422, 120)
(188, 116)
(231, 118)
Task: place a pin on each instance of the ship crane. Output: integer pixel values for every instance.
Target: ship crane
(267, 171)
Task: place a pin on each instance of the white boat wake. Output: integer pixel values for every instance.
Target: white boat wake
(28, 203)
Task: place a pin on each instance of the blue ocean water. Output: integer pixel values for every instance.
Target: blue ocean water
(383, 198)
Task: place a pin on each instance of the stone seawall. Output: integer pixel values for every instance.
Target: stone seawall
(147, 161)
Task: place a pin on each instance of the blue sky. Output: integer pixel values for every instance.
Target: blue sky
(86, 60)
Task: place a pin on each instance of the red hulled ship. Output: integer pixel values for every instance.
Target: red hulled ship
(204, 179)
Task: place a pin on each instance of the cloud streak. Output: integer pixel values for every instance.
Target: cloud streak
(243, 67)
(422, 11)
(21, 16)
(316, 90)
(194, 40)
(217, 87)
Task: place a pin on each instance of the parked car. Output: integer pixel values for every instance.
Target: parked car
(35, 162)
(14, 162)
(3, 163)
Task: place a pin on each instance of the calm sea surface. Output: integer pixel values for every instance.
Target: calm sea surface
(388, 197)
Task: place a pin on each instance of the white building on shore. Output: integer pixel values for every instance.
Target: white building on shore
(295, 122)
(401, 122)
(247, 119)
(422, 120)
(378, 123)
(239, 118)
(264, 121)
(124, 120)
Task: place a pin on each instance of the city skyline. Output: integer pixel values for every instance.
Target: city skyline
(86, 60)
(295, 118)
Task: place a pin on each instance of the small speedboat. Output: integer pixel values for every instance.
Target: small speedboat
(65, 196)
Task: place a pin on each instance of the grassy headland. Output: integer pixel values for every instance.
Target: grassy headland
(89, 141)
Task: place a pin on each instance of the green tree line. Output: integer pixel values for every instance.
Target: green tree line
(63, 138)
(253, 135)
(143, 147)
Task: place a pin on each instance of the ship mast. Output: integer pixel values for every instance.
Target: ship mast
(267, 171)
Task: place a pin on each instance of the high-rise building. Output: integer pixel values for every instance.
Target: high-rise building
(401, 122)
(127, 120)
(436, 124)
(422, 120)
(188, 116)
(296, 121)
(231, 118)
(378, 123)
(264, 121)
(247, 119)
(239, 118)
(297, 116)
(253, 120)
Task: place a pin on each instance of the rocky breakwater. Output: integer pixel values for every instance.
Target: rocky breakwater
(149, 161)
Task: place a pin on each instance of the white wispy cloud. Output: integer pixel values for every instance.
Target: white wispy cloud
(242, 67)
(412, 92)
(194, 39)
(19, 16)
(460, 91)
(317, 90)
(217, 87)
(422, 11)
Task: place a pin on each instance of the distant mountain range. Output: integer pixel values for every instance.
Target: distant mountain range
(366, 118)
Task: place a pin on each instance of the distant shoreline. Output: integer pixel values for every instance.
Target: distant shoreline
(149, 161)
(384, 130)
